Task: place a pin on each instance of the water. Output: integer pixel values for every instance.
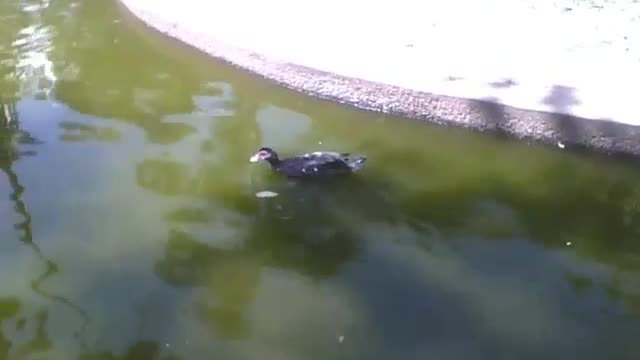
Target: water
(131, 228)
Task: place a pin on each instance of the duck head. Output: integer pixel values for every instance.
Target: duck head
(266, 154)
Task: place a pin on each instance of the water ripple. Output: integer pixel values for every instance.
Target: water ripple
(26, 67)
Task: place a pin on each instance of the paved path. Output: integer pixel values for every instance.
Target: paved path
(566, 57)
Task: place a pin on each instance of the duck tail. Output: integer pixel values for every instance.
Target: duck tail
(357, 163)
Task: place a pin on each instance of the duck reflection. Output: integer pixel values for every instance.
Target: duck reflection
(302, 230)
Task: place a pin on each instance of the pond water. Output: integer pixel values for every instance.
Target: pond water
(130, 226)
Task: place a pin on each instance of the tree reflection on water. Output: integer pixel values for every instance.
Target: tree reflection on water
(12, 138)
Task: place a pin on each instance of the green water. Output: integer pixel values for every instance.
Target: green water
(130, 229)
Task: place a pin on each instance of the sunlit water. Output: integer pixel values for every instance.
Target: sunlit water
(130, 226)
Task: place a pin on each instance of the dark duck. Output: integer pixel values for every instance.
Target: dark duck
(318, 164)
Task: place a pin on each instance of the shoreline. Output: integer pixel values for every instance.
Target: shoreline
(561, 127)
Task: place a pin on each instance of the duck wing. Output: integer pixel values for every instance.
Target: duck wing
(316, 164)
(326, 155)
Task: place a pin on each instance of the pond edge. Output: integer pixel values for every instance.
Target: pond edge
(487, 115)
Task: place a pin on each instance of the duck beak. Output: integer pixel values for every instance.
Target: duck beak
(254, 158)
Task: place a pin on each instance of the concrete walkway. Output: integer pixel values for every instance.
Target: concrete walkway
(432, 60)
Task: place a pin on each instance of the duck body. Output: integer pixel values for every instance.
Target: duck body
(317, 164)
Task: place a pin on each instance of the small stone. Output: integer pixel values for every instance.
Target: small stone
(340, 339)
(568, 243)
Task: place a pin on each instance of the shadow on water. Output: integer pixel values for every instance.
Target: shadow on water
(278, 236)
(307, 227)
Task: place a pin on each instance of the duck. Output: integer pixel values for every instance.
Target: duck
(315, 164)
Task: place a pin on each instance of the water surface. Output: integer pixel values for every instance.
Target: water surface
(130, 227)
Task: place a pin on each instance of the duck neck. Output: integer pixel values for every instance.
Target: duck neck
(274, 160)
